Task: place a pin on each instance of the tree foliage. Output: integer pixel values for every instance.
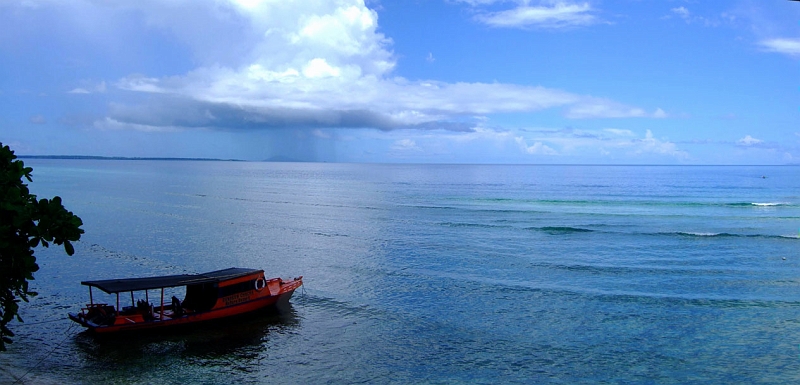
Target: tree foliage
(25, 223)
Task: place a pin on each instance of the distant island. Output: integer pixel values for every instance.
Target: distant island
(119, 158)
(279, 158)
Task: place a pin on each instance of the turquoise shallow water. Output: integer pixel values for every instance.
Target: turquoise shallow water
(434, 273)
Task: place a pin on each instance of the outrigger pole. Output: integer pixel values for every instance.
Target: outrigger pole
(161, 314)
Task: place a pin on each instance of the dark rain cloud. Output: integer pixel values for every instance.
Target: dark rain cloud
(175, 112)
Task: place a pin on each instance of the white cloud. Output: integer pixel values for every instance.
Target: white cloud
(479, 2)
(785, 46)
(483, 134)
(604, 108)
(682, 12)
(98, 88)
(392, 102)
(320, 134)
(323, 64)
(112, 124)
(38, 119)
(141, 84)
(538, 148)
(318, 68)
(619, 132)
(610, 143)
(557, 14)
(749, 141)
(690, 18)
(652, 145)
(405, 145)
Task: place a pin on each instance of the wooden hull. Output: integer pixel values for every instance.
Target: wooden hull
(268, 296)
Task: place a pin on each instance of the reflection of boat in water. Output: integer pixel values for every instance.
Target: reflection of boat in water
(209, 296)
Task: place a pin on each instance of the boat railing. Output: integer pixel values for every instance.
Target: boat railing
(102, 308)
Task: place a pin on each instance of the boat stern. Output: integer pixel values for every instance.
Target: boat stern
(78, 317)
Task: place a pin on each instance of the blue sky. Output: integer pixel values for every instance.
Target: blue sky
(435, 81)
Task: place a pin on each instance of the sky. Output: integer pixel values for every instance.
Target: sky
(404, 81)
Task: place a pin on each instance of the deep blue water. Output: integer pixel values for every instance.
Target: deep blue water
(434, 273)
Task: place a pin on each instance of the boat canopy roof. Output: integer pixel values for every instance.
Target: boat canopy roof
(112, 286)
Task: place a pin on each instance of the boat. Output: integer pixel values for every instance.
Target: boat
(216, 295)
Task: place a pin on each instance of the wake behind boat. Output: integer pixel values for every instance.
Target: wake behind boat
(209, 296)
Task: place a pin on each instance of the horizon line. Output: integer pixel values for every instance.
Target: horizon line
(284, 160)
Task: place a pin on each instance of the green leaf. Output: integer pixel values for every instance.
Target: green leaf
(26, 222)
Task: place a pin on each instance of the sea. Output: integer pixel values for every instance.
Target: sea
(431, 274)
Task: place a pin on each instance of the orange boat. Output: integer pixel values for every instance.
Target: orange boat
(209, 296)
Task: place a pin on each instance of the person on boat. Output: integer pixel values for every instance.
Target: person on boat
(145, 309)
(177, 310)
